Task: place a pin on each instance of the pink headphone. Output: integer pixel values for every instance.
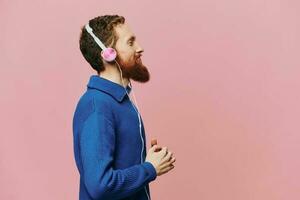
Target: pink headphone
(108, 54)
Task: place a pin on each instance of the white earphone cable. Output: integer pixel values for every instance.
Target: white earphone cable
(139, 117)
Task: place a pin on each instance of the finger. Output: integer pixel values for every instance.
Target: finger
(158, 149)
(153, 142)
(153, 148)
(167, 169)
(164, 151)
(167, 157)
(169, 163)
(173, 159)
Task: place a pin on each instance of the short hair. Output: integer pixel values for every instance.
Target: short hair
(103, 28)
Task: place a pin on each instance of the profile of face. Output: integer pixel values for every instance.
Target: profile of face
(129, 54)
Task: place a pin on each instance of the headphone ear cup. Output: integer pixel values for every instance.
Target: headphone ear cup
(109, 54)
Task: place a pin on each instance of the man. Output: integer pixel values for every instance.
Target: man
(109, 136)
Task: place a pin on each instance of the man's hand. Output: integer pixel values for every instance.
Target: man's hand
(160, 158)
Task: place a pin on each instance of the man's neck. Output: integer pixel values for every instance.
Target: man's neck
(112, 73)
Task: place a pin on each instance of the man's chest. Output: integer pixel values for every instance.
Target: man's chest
(130, 138)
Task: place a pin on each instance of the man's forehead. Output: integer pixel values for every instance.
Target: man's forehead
(124, 31)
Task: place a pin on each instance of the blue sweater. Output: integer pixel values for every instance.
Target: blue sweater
(108, 145)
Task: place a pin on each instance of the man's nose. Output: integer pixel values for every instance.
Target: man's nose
(139, 49)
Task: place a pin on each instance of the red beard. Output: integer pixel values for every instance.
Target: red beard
(138, 72)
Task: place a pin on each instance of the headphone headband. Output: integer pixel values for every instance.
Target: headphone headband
(97, 40)
(108, 54)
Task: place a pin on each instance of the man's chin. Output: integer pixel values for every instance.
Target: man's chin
(141, 80)
(138, 73)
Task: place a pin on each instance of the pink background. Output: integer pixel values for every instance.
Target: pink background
(223, 96)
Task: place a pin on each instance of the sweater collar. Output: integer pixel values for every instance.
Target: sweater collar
(115, 90)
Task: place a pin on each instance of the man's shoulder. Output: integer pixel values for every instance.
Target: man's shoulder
(97, 97)
(95, 101)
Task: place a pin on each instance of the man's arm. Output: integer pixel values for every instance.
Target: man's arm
(97, 144)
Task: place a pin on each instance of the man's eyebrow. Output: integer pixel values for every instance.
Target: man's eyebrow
(132, 38)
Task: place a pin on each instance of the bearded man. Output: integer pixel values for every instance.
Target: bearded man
(108, 131)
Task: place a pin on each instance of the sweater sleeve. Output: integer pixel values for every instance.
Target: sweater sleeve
(97, 144)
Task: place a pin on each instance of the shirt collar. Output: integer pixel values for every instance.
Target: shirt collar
(115, 90)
